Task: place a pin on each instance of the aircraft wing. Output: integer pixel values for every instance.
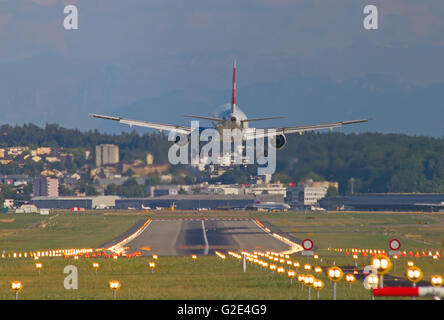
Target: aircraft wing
(146, 124)
(252, 134)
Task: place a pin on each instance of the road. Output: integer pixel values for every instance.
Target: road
(195, 236)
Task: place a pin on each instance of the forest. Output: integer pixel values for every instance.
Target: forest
(361, 163)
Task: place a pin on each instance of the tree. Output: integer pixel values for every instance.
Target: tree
(332, 192)
(64, 191)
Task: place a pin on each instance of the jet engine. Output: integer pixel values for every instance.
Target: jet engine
(278, 142)
(182, 139)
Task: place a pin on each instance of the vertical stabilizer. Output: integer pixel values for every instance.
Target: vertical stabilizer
(233, 100)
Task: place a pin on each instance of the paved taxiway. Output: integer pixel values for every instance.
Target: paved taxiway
(195, 236)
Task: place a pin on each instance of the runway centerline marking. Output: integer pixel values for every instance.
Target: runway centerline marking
(207, 246)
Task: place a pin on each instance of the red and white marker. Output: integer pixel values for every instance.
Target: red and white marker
(408, 292)
(395, 244)
(307, 244)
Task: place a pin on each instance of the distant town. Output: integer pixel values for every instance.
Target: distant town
(57, 168)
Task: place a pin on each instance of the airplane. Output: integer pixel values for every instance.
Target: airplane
(270, 206)
(316, 208)
(146, 208)
(232, 117)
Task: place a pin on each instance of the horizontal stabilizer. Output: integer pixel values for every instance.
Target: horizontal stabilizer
(260, 119)
(204, 118)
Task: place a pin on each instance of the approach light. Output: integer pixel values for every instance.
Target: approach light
(16, 286)
(414, 274)
(309, 280)
(349, 278)
(335, 274)
(114, 285)
(382, 264)
(96, 266)
(436, 280)
(301, 278)
(371, 281)
(318, 284)
(317, 269)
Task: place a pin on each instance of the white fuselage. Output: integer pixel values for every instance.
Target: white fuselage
(272, 206)
(232, 120)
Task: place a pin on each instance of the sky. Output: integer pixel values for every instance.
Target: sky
(178, 54)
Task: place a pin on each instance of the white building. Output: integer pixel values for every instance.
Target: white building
(301, 196)
(45, 187)
(276, 188)
(27, 208)
(8, 203)
(106, 154)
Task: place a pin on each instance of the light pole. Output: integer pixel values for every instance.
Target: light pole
(335, 274)
(355, 257)
(114, 285)
(349, 278)
(382, 264)
(96, 266)
(291, 274)
(318, 285)
(395, 257)
(16, 286)
(152, 265)
(317, 270)
(308, 281)
(301, 278)
(39, 266)
(414, 274)
(371, 282)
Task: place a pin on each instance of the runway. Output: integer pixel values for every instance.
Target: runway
(201, 237)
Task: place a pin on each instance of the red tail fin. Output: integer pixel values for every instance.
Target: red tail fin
(233, 100)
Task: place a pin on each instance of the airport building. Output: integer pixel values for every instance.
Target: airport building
(386, 202)
(194, 201)
(45, 187)
(97, 202)
(304, 196)
(107, 154)
(164, 190)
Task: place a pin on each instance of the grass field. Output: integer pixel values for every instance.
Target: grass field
(208, 277)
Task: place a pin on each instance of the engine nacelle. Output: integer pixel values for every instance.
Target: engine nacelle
(278, 142)
(182, 139)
